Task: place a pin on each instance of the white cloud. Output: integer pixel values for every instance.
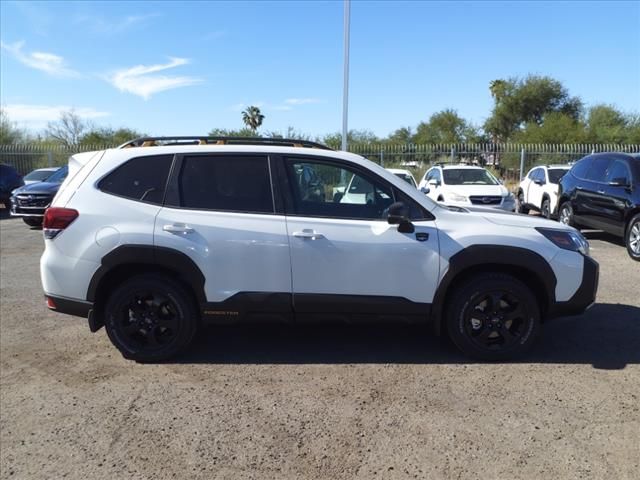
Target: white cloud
(301, 101)
(38, 115)
(104, 26)
(47, 62)
(139, 81)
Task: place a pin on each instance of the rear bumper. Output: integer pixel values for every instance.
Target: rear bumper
(585, 296)
(69, 306)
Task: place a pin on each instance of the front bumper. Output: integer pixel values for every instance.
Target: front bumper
(585, 295)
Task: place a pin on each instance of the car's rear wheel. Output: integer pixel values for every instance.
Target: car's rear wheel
(545, 209)
(32, 222)
(493, 316)
(633, 238)
(565, 214)
(150, 318)
(520, 207)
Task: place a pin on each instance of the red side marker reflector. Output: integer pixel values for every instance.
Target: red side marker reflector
(51, 304)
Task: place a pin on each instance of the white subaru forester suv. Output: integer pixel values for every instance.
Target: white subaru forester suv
(162, 234)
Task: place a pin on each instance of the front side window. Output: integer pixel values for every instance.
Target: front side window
(143, 178)
(468, 176)
(324, 189)
(226, 183)
(618, 173)
(533, 173)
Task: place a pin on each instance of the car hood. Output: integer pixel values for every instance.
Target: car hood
(39, 188)
(510, 219)
(480, 190)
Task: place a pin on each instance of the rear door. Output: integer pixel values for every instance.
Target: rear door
(617, 197)
(346, 260)
(220, 211)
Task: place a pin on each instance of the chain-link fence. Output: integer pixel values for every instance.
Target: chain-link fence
(510, 160)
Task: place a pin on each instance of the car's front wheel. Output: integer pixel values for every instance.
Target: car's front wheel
(633, 238)
(150, 318)
(565, 214)
(545, 210)
(493, 316)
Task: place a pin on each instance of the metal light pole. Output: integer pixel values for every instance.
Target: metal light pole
(345, 88)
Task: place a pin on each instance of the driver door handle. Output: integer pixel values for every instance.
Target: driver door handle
(308, 233)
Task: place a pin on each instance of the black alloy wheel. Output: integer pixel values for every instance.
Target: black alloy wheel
(150, 318)
(493, 316)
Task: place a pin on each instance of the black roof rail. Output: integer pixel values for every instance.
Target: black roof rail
(206, 140)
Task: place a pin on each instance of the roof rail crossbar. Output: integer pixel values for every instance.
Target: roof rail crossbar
(163, 141)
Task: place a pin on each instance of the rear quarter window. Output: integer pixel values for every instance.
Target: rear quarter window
(143, 179)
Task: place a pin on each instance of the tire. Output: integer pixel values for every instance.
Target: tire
(150, 318)
(545, 209)
(493, 316)
(565, 214)
(32, 222)
(520, 208)
(632, 238)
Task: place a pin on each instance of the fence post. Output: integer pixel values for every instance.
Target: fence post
(382, 157)
(453, 154)
(50, 158)
(522, 155)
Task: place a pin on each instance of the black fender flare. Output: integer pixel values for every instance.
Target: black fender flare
(162, 257)
(480, 258)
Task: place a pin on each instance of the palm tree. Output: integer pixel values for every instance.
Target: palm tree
(252, 118)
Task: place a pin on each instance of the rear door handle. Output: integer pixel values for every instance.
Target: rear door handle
(178, 228)
(308, 233)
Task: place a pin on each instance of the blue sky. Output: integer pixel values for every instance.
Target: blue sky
(187, 67)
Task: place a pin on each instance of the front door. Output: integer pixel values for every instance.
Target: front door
(347, 262)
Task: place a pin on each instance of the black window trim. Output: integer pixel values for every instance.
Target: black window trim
(172, 195)
(287, 193)
(121, 165)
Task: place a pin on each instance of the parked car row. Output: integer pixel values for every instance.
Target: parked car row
(32, 199)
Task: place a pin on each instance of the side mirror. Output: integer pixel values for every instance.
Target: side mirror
(425, 190)
(619, 182)
(434, 182)
(539, 182)
(399, 215)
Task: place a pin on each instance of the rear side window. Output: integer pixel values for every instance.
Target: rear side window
(226, 183)
(598, 170)
(618, 173)
(580, 169)
(143, 179)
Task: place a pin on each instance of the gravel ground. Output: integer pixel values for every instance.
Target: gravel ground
(336, 402)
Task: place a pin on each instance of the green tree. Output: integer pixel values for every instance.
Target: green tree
(222, 132)
(109, 136)
(9, 131)
(252, 118)
(401, 135)
(354, 137)
(557, 127)
(518, 102)
(446, 127)
(606, 124)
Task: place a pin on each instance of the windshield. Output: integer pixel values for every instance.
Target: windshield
(407, 178)
(59, 175)
(38, 175)
(555, 174)
(468, 176)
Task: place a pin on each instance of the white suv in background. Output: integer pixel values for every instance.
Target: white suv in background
(539, 189)
(466, 185)
(155, 237)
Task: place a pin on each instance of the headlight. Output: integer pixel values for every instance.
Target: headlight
(454, 197)
(569, 240)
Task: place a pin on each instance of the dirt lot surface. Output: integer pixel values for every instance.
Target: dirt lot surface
(331, 403)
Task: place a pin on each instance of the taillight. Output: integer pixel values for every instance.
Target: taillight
(56, 220)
